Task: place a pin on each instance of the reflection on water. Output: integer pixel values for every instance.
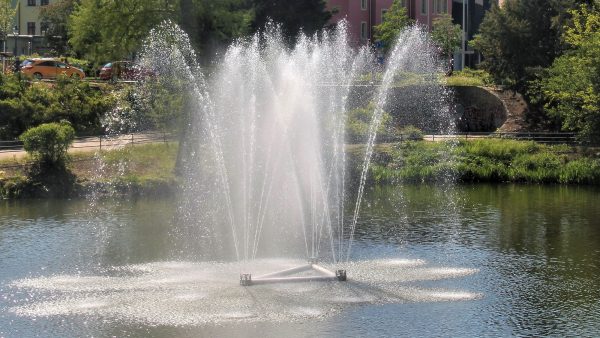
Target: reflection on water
(183, 293)
(474, 260)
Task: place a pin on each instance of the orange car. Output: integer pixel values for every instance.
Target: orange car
(49, 69)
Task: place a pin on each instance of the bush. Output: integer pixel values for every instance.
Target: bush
(359, 122)
(470, 77)
(412, 133)
(24, 105)
(48, 143)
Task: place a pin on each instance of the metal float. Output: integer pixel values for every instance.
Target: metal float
(284, 276)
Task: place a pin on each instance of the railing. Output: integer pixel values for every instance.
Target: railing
(98, 142)
(541, 137)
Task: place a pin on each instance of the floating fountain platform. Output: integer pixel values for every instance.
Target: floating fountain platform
(284, 276)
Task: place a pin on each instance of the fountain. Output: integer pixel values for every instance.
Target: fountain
(266, 172)
(267, 194)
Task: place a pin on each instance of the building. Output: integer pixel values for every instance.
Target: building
(470, 13)
(363, 15)
(29, 31)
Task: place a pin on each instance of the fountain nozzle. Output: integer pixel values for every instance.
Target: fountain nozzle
(245, 279)
(341, 275)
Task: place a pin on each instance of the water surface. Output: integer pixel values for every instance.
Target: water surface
(466, 261)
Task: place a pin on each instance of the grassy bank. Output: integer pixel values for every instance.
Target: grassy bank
(483, 161)
(149, 169)
(132, 170)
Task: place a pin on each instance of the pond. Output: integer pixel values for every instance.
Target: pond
(473, 260)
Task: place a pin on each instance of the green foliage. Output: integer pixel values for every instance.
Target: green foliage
(470, 77)
(294, 16)
(112, 30)
(56, 17)
(7, 17)
(482, 161)
(520, 36)
(163, 103)
(571, 88)
(13, 187)
(411, 133)
(211, 23)
(359, 121)
(49, 142)
(446, 35)
(500, 150)
(24, 105)
(396, 19)
(581, 171)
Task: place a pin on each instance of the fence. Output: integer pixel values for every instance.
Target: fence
(541, 137)
(98, 142)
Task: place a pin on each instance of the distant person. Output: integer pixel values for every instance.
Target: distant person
(17, 66)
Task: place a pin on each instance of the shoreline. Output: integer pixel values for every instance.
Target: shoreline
(146, 170)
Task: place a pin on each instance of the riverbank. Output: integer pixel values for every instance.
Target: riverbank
(491, 161)
(150, 169)
(133, 170)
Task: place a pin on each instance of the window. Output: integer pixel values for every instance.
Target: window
(363, 30)
(363, 5)
(44, 2)
(31, 28)
(424, 6)
(383, 11)
(31, 2)
(440, 6)
(47, 64)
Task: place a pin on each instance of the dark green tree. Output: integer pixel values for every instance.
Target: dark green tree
(521, 37)
(447, 36)
(102, 30)
(212, 24)
(395, 20)
(55, 17)
(308, 16)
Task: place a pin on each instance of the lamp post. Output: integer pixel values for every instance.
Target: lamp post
(16, 37)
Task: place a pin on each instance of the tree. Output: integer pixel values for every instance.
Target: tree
(308, 16)
(447, 36)
(395, 20)
(520, 37)
(55, 17)
(215, 23)
(7, 16)
(103, 30)
(572, 87)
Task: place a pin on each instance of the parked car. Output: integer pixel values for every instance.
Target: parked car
(124, 70)
(45, 68)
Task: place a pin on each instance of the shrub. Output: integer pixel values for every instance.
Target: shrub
(412, 133)
(581, 171)
(359, 122)
(24, 105)
(48, 143)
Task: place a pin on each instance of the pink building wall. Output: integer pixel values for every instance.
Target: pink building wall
(352, 11)
(426, 19)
